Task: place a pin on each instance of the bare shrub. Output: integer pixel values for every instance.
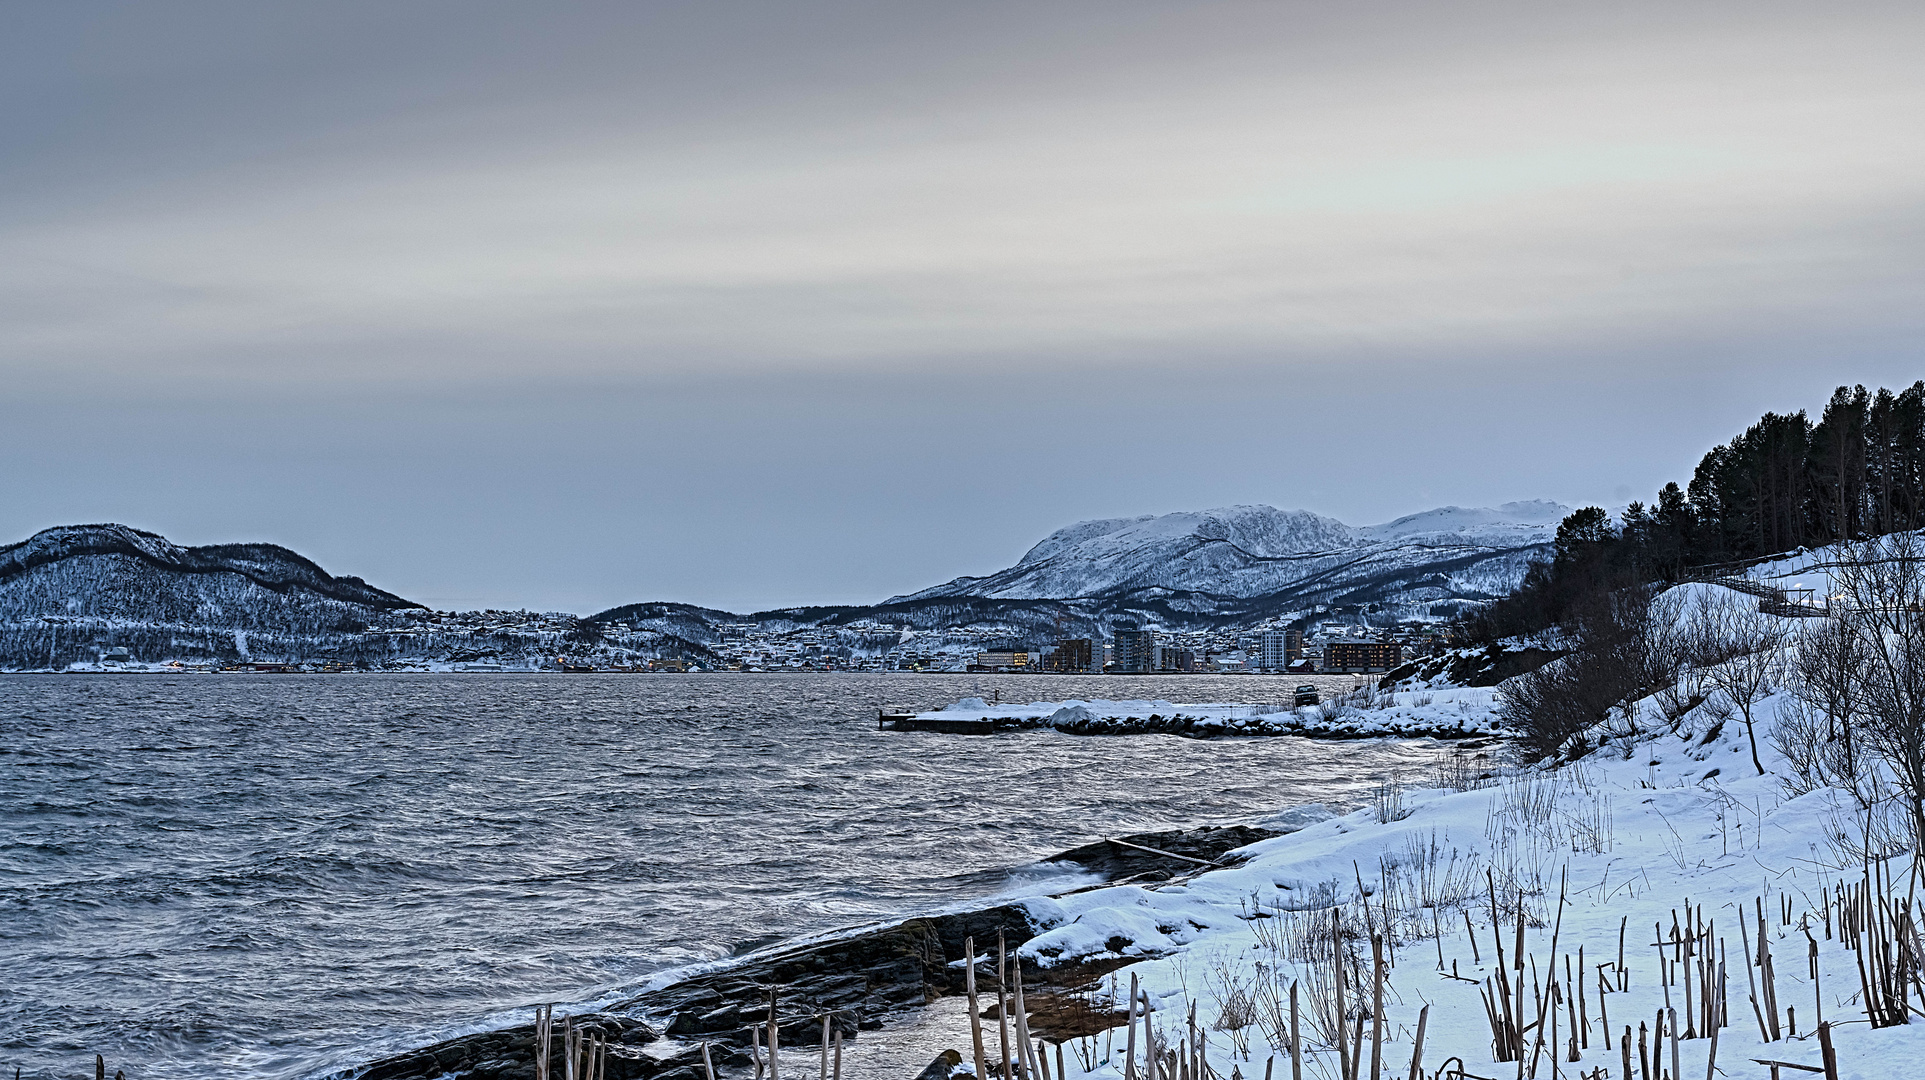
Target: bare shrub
(1387, 802)
(1588, 824)
(1816, 734)
(1550, 708)
(1882, 585)
(1740, 652)
(1235, 1002)
(1815, 758)
(1420, 882)
(1454, 769)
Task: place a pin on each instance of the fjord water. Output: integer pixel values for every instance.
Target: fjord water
(281, 876)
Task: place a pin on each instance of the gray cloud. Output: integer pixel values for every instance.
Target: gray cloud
(832, 266)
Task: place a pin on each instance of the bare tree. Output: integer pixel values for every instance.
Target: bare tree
(1740, 654)
(1881, 604)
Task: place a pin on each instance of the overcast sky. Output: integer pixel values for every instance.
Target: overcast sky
(570, 305)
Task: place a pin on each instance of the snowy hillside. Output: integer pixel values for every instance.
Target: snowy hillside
(1670, 899)
(1289, 558)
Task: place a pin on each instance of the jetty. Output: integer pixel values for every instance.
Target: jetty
(957, 725)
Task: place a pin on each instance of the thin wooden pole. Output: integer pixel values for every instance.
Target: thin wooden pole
(708, 1063)
(1677, 1069)
(975, 1011)
(1129, 1053)
(1417, 1054)
(1341, 1021)
(1296, 1042)
(1376, 1007)
(1149, 1041)
(825, 1046)
(1001, 1000)
(1025, 1049)
(837, 1074)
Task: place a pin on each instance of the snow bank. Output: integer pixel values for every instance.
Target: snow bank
(1634, 832)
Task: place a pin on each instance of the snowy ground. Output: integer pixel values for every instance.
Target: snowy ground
(1666, 814)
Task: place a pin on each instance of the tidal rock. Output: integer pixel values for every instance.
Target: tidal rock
(939, 1069)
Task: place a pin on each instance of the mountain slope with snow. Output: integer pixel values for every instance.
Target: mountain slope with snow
(1296, 558)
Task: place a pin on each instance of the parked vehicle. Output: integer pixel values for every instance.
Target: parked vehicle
(1306, 695)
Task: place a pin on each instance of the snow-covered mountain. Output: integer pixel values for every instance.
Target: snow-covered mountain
(1229, 557)
(78, 593)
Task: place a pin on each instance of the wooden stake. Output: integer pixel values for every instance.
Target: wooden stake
(1001, 1000)
(1376, 1007)
(1677, 1070)
(975, 1011)
(708, 1064)
(1417, 1054)
(1752, 980)
(1129, 1054)
(1296, 1043)
(1341, 1020)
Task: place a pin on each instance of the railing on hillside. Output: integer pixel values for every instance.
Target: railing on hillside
(1773, 600)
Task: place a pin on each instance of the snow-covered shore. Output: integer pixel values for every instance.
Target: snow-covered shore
(1665, 829)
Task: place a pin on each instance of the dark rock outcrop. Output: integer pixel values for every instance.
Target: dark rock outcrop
(1209, 844)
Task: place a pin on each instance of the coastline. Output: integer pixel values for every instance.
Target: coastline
(867, 979)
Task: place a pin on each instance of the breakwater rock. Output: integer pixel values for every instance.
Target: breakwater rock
(1441, 714)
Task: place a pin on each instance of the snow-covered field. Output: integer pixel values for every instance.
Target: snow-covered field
(1665, 832)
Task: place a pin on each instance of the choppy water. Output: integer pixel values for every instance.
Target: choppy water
(277, 876)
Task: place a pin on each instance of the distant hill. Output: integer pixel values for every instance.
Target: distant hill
(66, 593)
(78, 593)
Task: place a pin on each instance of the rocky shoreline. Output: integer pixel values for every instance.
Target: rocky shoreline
(857, 981)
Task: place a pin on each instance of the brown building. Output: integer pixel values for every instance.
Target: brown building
(1344, 656)
(1070, 655)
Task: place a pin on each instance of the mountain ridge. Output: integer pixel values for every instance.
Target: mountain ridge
(73, 593)
(1249, 551)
